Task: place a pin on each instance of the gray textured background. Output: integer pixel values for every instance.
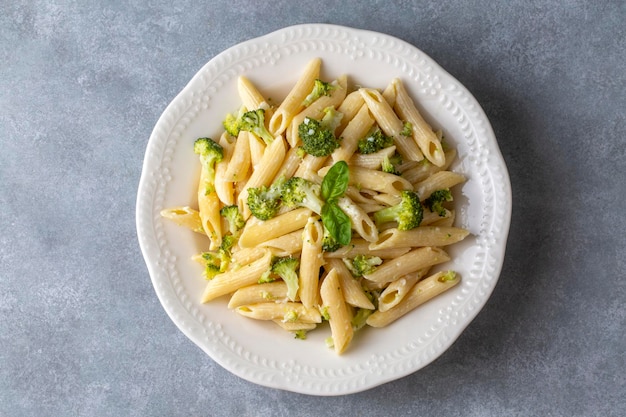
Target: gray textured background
(82, 84)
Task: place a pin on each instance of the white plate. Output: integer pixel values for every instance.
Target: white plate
(261, 352)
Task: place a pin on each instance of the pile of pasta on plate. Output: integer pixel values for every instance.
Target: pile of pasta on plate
(332, 205)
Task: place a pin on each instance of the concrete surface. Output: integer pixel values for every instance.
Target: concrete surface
(82, 84)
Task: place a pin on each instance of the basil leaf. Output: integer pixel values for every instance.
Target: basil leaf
(335, 182)
(337, 222)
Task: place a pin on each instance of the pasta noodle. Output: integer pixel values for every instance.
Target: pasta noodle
(282, 259)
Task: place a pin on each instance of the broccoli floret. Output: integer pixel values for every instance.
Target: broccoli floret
(408, 213)
(210, 154)
(225, 251)
(318, 137)
(324, 313)
(286, 269)
(263, 201)
(330, 342)
(374, 141)
(329, 244)
(436, 200)
(266, 277)
(254, 121)
(407, 130)
(332, 119)
(360, 317)
(300, 152)
(234, 218)
(232, 122)
(389, 164)
(290, 316)
(300, 334)
(447, 276)
(299, 192)
(211, 264)
(320, 88)
(363, 264)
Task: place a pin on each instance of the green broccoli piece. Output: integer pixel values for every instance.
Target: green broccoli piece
(300, 334)
(324, 313)
(435, 202)
(234, 218)
(266, 277)
(290, 316)
(363, 264)
(318, 137)
(407, 130)
(286, 268)
(254, 121)
(330, 342)
(447, 276)
(264, 202)
(389, 164)
(320, 88)
(374, 141)
(408, 213)
(360, 318)
(329, 244)
(299, 192)
(225, 251)
(211, 264)
(232, 122)
(210, 154)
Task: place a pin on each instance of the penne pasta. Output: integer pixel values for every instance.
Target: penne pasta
(223, 187)
(250, 96)
(287, 244)
(289, 311)
(311, 261)
(375, 180)
(361, 247)
(425, 169)
(209, 211)
(445, 221)
(239, 163)
(373, 160)
(184, 216)
(412, 261)
(309, 165)
(420, 236)
(255, 232)
(361, 222)
(390, 124)
(294, 326)
(355, 130)
(246, 256)
(257, 149)
(230, 281)
(421, 292)
(292, 104)
(290, 164)
(349, 107)
(353, 292)
(275, 292)
(264, 172)
(438, 181)
(340, 318)
(430, 218)
(398, 289)
(422, 133)
(316, 110)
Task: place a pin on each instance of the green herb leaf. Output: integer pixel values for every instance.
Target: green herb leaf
(335, 182)
(337, 222)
